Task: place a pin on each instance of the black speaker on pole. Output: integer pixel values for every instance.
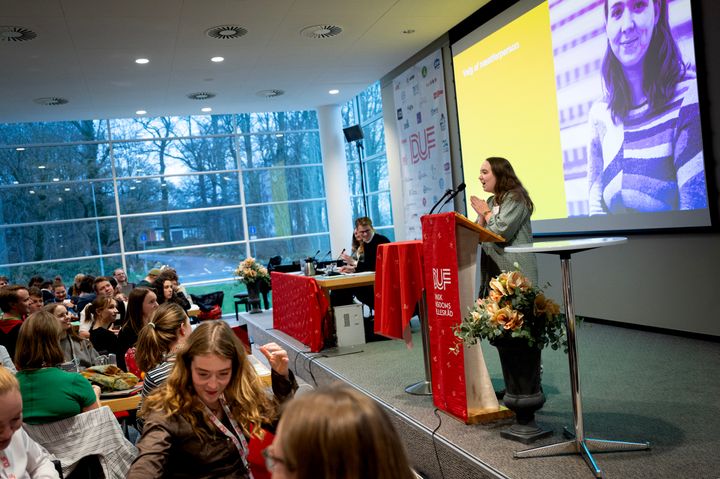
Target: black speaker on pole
(353, 133)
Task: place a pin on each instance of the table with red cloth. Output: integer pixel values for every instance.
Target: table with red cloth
(398, 287)
(300, 309)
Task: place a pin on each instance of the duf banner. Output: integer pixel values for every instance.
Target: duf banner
(422, 125)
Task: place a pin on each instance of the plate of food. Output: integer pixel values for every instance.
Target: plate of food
(121, 393)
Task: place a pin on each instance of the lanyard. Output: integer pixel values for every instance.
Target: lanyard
(238, 438)
(5, 462)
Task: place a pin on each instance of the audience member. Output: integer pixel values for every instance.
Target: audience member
(22, 458)
(198, 423)
(49, 393)
(148, 280)
(101, 313)
(36, 300)
(141, 304)
(35, 281)
(6, 360)
(336, 432)
(166, 288)
(75, 349)
(87, 293)
(122, 280)
(15, 304)
(4, 281)
(75, 287)
(103, 287)
(157, 344)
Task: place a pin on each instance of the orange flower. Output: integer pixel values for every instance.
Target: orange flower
(495, 296)
(515, 322)
(502, 316)
(516, 281)
(498, 286)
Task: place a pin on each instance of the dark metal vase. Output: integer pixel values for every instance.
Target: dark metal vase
(254, 297)
(523, 390)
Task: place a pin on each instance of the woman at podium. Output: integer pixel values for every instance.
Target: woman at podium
(506, 212)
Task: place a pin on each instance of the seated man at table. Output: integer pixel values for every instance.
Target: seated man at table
(365, 262)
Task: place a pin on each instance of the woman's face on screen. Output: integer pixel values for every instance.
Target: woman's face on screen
(487, 177)
(629, 27)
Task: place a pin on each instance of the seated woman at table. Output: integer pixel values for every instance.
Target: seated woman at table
(157, 344)
(49, 393)
(102, 312)
(336, 432)
(75, 349)
(142, 302)
(198, 423)
(22, 457)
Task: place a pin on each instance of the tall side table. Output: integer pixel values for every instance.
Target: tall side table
(579, 444)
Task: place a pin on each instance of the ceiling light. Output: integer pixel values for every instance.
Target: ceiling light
(140, 112)
(207, 109)
(41, 167)
(142, 61)
(56, 179)
(32, 192)
(279, 135)
(20, 149)
(132, 187)
(67, 189)
(16, 182)
(217, 59)
(334, 91)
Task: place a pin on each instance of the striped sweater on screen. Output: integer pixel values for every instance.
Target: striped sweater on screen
(651, 161)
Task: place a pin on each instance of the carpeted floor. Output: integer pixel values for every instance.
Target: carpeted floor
(636, 386)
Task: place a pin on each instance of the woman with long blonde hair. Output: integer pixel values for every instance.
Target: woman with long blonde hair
(199, 422)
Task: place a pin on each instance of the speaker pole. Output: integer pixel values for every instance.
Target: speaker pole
(361, 151)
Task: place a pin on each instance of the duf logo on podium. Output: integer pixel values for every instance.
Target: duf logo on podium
(442, 279)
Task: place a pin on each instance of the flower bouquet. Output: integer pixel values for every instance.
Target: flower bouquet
(250, 271)
(514, 309)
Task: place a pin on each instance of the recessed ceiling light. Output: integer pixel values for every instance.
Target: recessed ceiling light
(67, 189)
(41, 167)
(217, 59)
(140, 112)
(334, 91)
(20, 149)
(16, 182)
(56, 179)
(142, 61)
(32, 192)
(132, 187)
(207, 109)
(279, 135)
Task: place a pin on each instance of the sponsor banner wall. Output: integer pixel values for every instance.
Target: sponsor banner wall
(422, 125)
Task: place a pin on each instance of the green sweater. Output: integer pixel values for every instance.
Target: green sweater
(51, 394)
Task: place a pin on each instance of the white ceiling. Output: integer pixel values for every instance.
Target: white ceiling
(85, 52)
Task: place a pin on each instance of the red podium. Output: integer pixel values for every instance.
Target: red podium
(460, 381)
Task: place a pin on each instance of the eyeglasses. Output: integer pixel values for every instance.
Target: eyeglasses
(272, 461)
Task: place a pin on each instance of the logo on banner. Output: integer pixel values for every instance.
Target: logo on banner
(418, 117)
(437, 93)
(399, 114)
(441, 278)
(420, 146)
(424, 71)
(436, 63)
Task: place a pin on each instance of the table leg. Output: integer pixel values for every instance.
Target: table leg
(423, 388)
(579, 444)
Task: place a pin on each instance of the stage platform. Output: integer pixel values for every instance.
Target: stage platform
(637, 386)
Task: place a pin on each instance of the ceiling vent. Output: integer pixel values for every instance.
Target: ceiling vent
(226, 32)
(50, 101)
(270, 93)
(201, 95)
(321, 31)
(16, 34)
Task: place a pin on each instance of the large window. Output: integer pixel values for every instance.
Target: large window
(367, 160)
(199, 193)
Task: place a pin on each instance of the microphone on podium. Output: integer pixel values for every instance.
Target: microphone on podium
(457, 190)
(447, 192)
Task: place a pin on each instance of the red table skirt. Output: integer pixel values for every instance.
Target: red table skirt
(300, 309)
(398, 287)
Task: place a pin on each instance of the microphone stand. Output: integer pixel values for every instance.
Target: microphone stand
(460, 188)
(447, 192)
